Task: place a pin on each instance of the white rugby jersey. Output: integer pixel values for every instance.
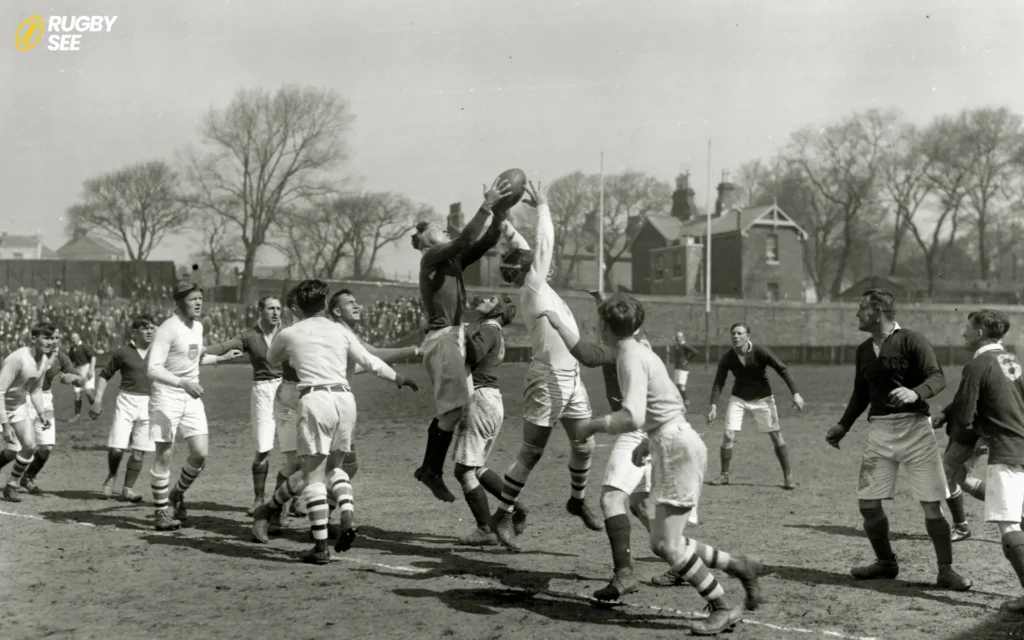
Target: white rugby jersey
(320, 350)
(175, 353)
(21, 375)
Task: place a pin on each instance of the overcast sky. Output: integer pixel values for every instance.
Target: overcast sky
(448, 93)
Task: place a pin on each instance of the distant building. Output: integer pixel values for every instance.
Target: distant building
(15, 247)
(944, 291)
(756, 252)
(82, 246)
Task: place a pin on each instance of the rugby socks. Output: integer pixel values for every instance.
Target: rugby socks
(939, 531)
(114, 461)
(350, 464)
(42, 455)
(259, 477)
(1013, 549)
(78, 405)
(315, 497)
(7, 456)
(287, 490)
(187, 477)
(580, 454)
(782, 453)
(161, 486)
(490, 481)
(517, 474)
(340, 489)
(726, 457)
(437, 455)
(710, 556)
(956, 507)
(476, 496)
(618, 529)
(876, 527)
(974, 487)
(131, 472)
(693, 570)
(432, 432)
(20, 465)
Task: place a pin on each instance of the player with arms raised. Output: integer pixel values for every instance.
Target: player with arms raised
(990, 401)
(176, 401)
(21, 382)
(896, 372)
(443, 294)
(554, 391)
(651, 402)
(751, 393)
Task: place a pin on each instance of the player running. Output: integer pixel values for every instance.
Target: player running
(255, 341)
(443, 294)
(554, 391)
(651, 402)
(176, 401)
(319, 350)
(130, 426)
(751, 393)
(21, 382)
(896, 372)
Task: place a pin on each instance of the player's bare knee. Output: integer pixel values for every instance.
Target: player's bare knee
(583, 447)
(776, 438)
(260, 457)
(614, 502)
(638, 504)
(871, 510)
(350, 464)
(530, 455)
(448, 421)
(932, 510)
(467, 477)
(138, 455)
(728, 439)
(665, 548)
(45, 449)
(1008, 527)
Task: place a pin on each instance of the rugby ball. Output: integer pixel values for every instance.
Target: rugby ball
(516, 178)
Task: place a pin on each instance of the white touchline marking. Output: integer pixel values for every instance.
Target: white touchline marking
(417, 570)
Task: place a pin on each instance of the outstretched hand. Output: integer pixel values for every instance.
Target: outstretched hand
(534, 194)
(500, 189)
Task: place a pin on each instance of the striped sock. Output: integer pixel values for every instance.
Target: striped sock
(710, 556)
(515, 482)
(580, 454)
(187, 477)
(315, 496)
(340, 490)
(161, 486)
(579, 480)
(288, 489)
(20, 465)
(692, 569)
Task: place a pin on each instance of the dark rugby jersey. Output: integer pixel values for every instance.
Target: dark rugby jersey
(288, 374)
(81, 354)
(750, 378)
(681, 356)
(60, 364)
(990, 400)
(485, 351)
(442, 289)
(595, 354)
(905, 359)
(253, 342)
(132, 366)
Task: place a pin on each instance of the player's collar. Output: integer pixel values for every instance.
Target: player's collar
(993, 346)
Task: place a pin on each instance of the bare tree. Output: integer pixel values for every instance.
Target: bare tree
(378, 220)
(265, 155)
(137, 206)
(219, 246)
(904, 184)
(573, 200)
(630, 197)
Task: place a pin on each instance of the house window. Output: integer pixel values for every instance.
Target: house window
(679, 268)
(772, 292)
(772, 248)
(659, 266)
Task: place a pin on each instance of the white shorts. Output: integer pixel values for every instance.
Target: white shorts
(130, 428)
(766, 415)
(90, 381)
(554, 394)
(620, 472)
(328, 420)
(286, 416)
(44, 437)
(478, 430)
(174, 411)
(908, 440)
(679, 460)
(1004, 493)
(444, 356)
(20, 413)
(261, 413)
(680, 377)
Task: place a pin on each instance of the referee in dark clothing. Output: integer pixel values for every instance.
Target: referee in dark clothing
(896, 373)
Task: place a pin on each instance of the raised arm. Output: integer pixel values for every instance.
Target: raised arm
(456, 246)
(543, 252)
(221, 348)
(485, 243)
(370, 362)
(387, 355)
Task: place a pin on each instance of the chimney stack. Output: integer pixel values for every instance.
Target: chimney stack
(455, 219)
(728, 195)
(683, 206)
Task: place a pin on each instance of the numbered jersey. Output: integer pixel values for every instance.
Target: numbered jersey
(990, 399)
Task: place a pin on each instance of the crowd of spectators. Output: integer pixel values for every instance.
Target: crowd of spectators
(103, 321)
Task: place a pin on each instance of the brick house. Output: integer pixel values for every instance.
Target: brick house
(82, 246)
(756, 252)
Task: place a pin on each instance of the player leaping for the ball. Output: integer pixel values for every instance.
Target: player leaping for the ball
(651, 402)
(443, 294)
(319, 350)
(130, 426)
(751, 393)
(176, 401)
(21, 382)
(554, 390)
